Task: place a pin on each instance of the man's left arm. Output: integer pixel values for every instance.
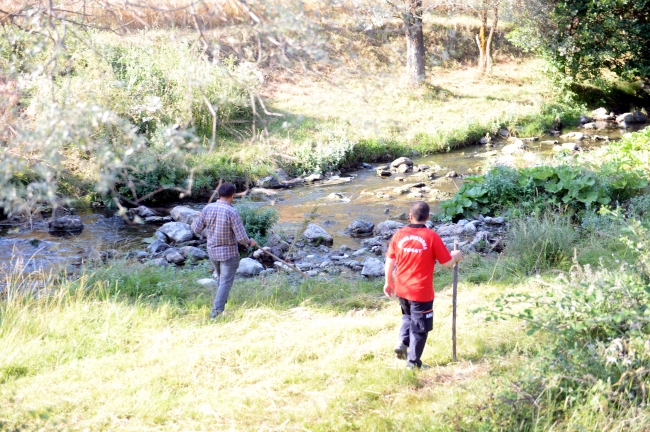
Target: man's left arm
(199, 224)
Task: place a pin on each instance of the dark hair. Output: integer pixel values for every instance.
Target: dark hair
(226, 190)
(420, 211)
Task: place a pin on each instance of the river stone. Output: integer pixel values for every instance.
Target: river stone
(469, 228)
(640, 117)
(372, 267)
(268, 182)
(162, 262)
(194, 253)
(584, 119)
(504, 133)
(625, 118)
(184, 214)
(314, 177)
(450, 230)
(578, 136)
(274, 240)
(403, 169)
(360, 228)
(401, 161)
(143, 212)
(161, 236)
(571, 146)
(336, 196)
(66, 224)
(387, 228)
(157, 219)
(92, 255)
(141, 255)
(383, 173)
(177, 231)
(249, 267)
(360, 252)
(316, 234)
(281, 175)
(601, 114)
(175, 258)
(157, 246)
(518, 147)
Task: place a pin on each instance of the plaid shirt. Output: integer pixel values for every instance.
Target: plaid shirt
(223, 228)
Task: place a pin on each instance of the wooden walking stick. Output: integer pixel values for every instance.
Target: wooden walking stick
(291, 266)
(453, 305)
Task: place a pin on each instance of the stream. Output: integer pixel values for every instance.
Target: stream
(31, 246)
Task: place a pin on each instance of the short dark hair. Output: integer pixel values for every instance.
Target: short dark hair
(226, 190)
(420, 211)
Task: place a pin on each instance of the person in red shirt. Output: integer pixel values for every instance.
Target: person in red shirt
(415, 249)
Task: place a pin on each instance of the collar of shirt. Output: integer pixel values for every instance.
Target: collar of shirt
(417, 226)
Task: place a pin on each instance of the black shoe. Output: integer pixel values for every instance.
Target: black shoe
(214, 315)
(400, 351)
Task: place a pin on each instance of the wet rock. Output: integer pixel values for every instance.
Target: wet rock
(584, 119)
(504, 133)
(143, 212)
(401, 161)
(91, 254)
(451, 174)
(360, 252)
(424, 167)
(161, 236)
(66, 224)
(177, 231)
(336, 196)
(157, 247)
(314, 177)
(450, 230)
(141, 255)
(281, 175)
(354, 265)
(625, 118)
(518, 147)
(578, 136)
(317, 235)
(590, 126)
(372, 267)
(184, 214)
(530, 139)
(494, 221)
(249, 267)
(268, 182)
(208, 282)
(384, 173)
(387, 228)
(550, 142)
(157, 220)
(640, 117)
(175, 257)
(360, 228)
(194, 253)
(571, 146)
(403, 169)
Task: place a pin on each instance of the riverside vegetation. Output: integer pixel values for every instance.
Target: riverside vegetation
(553, 332)
(552, 335)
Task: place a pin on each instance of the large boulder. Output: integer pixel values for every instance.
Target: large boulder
(177, 231)
(249, 267)
(175, 257)
(601, 114)
(639, 117)
(625, 118)
(401, 161)
(275, 241)
(66, 224)
(184, 214)
(387, 228)
(360, 228)
(316, 234)
(372, 267)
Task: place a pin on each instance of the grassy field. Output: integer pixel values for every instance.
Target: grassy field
(299, 356)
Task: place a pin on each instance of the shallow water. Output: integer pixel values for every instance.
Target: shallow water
(36, 247)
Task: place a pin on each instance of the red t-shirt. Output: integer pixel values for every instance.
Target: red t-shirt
(416, 251)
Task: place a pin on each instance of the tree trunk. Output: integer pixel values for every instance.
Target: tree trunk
(482, 40)
(495, 22)
(414, 43)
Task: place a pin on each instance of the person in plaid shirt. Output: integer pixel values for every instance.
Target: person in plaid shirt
(223, 227)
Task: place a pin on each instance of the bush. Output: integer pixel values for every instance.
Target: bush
(257, 220)
(538, 243)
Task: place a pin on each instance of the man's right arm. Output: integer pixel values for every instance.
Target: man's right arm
(456, 257)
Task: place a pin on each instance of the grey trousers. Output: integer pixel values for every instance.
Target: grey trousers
(226, 272)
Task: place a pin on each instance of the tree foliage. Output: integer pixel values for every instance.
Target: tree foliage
(583, 37)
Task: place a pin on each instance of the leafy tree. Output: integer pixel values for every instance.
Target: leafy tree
(583, 37)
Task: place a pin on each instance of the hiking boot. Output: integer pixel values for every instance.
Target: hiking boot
(217, 314)
(400, 351)
(411, 366)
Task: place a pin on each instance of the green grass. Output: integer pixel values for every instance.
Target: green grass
(138, 352)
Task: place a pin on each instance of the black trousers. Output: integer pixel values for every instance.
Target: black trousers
(417, 322)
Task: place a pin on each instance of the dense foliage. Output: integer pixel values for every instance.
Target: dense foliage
(581, 38)
(612, 175)
(257, 220)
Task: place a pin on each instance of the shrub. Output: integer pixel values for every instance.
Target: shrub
(257, 220)
(539, 243)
